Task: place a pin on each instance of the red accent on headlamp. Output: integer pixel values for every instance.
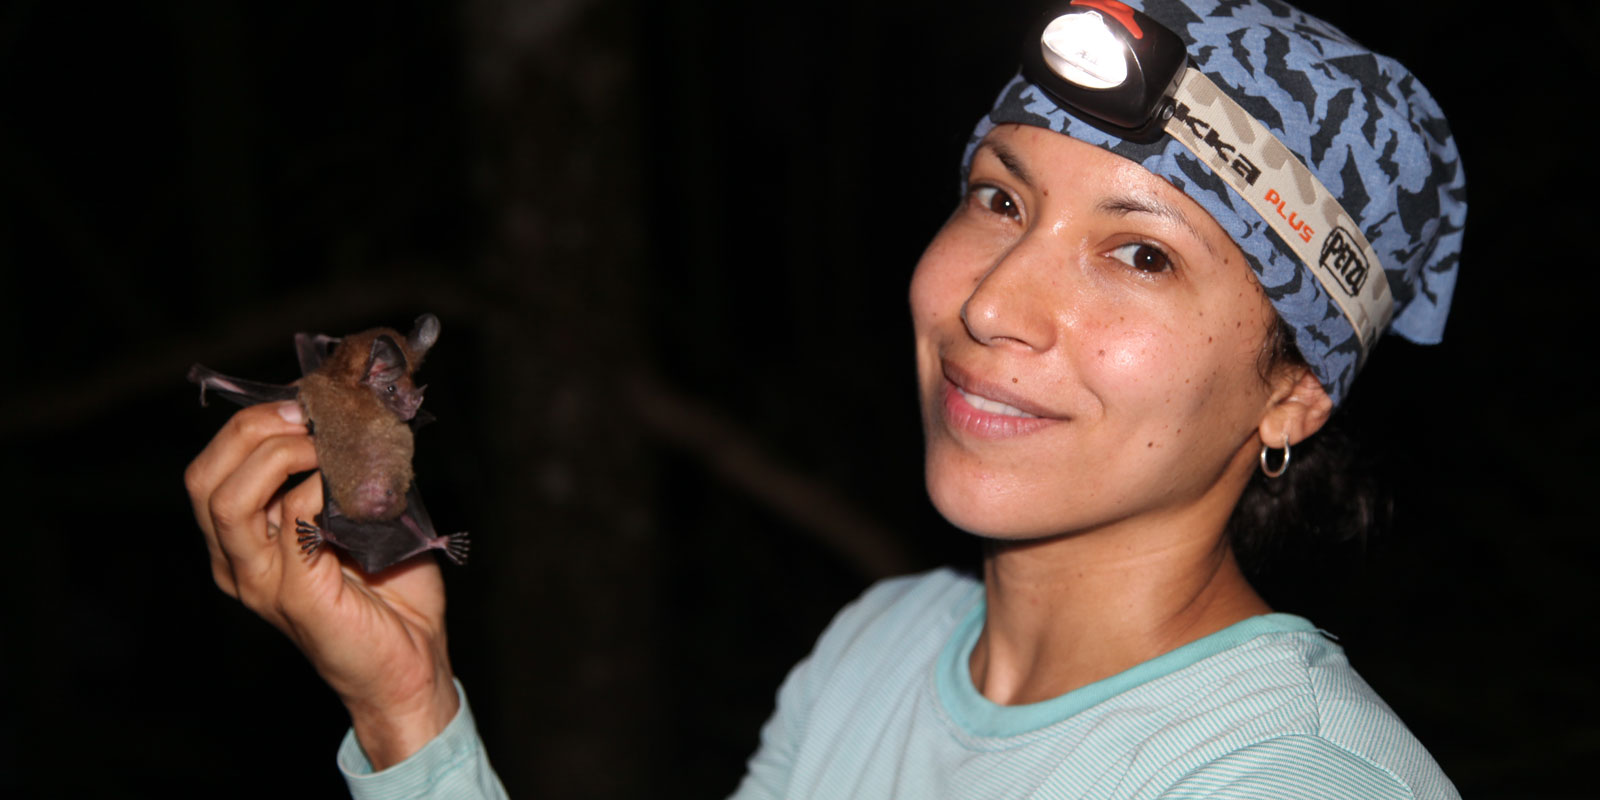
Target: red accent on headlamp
(1121, 12)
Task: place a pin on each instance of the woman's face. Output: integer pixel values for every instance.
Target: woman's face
(1088, 346)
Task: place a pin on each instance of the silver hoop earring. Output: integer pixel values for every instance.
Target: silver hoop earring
(1283, 465)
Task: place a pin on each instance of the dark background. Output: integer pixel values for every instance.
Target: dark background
(670, 245)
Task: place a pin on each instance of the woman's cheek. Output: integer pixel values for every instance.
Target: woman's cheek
(924, 311)
(944, 276)
(1128, 361)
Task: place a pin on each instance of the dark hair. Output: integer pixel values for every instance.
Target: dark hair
(1328, 494)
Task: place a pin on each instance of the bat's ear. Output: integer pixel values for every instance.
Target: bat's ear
(423, 335)
(387, 362)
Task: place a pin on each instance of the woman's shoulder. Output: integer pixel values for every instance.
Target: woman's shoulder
(935, 591)
(896, 626)
(1300, 715)
(896, 610)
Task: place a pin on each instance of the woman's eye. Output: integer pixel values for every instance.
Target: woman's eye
(1143, 257)
(996, 201)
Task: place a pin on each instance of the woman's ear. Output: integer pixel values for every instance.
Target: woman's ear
(1300, 407)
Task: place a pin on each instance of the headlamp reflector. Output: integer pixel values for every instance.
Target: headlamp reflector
(1081, 49)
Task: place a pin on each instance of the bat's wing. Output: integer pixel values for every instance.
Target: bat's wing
(243, 392)
(415, 517)
(312, 349)
(377, 545)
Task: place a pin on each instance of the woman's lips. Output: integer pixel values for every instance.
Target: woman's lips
(984, 404)
(989, 411)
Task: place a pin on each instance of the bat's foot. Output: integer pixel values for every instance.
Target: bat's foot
(455, 547)
(310, 537)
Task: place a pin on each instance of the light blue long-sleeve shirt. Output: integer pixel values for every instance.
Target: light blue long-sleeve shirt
(884, 707)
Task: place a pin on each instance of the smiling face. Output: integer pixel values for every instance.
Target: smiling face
(1088, 347)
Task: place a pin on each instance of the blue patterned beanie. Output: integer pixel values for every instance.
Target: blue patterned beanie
(1363, 124)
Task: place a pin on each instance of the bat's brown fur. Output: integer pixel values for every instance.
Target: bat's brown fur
(363, 447)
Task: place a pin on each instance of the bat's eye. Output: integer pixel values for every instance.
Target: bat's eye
(389, 388)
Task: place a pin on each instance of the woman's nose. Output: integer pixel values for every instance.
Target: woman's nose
(1011, 305)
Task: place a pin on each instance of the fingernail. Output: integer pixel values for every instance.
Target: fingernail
(290, 411)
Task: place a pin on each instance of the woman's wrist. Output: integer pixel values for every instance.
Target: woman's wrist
(390, 733)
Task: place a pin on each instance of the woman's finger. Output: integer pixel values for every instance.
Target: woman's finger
(243, 432)
(236, 439)
(239, 518)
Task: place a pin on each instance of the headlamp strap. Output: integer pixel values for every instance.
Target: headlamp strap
(1296, 205)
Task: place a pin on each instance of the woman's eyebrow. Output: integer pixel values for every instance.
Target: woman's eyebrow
(1009, 160)
(1123, 205)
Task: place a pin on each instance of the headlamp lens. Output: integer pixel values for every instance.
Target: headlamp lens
(1083, 50)
(1108, 64)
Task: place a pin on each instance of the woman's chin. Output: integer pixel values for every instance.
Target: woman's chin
(991, 517)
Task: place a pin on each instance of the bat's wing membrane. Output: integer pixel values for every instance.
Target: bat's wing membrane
(376, 545)
(312, 349)
(239, 390)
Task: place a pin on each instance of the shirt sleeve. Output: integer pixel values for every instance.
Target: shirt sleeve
(767, 773)
(871, 628)
(1290, 768)
(452, 765)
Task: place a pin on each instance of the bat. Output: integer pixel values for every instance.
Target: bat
(363, 407)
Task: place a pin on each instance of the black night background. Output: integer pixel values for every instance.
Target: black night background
(669, 244)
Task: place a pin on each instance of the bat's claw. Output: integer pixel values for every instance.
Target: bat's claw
(310, 537)
(455, 547)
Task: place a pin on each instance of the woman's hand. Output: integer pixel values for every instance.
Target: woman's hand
(378, 641)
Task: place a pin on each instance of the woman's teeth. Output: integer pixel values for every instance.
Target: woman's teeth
(992, 406)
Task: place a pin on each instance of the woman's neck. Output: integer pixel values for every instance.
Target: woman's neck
(1068, 611)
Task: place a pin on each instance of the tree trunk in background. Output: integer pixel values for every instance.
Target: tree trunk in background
(570, 568)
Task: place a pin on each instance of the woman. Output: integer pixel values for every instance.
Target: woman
(1144, 298)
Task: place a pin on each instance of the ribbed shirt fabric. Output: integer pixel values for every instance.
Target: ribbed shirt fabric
(1267, 708)
(884, 707)
(452, 765)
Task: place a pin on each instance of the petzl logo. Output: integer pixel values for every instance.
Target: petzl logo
(1341, 257)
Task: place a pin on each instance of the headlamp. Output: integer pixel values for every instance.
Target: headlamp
(1109, 65)
(1119, 70)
